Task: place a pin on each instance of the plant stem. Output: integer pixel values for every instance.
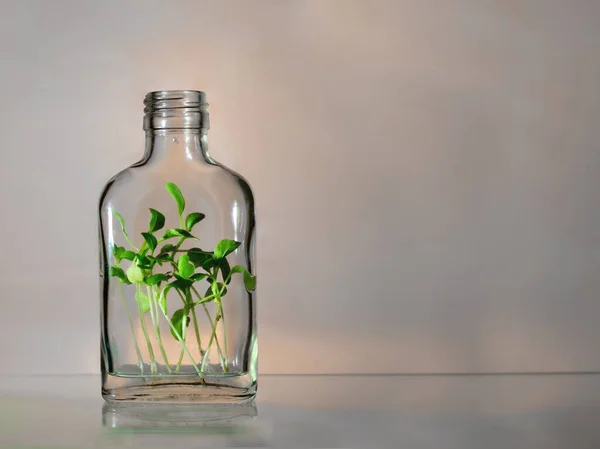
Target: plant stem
(226, 368)
(181, 296)
(154, 314)
(220, 305)
(183, 332)
(148, 342)
(197, 332)
(183, 345)
(178, 244)
(135, 343)
(213, 337)
(213, 325)
(129, 241)
(176, 268)
(203, 300)
(182, 352)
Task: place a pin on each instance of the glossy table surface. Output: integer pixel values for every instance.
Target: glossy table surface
(413, 412)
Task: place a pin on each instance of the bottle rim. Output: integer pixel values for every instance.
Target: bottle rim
(175, 109)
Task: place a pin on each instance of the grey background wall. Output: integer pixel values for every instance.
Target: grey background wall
(426, 173)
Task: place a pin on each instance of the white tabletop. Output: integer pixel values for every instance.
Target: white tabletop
(413, 412)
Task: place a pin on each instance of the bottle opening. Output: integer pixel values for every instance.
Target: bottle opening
(176, 109)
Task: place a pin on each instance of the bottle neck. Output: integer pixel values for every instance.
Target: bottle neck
(176, 123)
(177, 145)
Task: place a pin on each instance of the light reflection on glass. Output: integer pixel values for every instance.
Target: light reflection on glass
(110, 228)
(235, 218)
(188, 147)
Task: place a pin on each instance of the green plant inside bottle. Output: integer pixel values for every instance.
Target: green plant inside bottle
(160, 266)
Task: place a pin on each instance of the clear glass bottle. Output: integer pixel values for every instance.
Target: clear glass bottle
(178, 313)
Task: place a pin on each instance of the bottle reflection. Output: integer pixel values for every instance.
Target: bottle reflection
(212, 419)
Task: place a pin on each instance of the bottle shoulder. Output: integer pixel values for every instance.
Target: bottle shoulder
(209, 179)
(242, 183)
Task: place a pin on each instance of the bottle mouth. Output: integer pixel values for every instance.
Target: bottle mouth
(176, 109)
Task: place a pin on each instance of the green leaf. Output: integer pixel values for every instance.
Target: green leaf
(118, 273)
(180, 320)
(150, 240)
(157, 220)
(146, 262)
(143, 301)
(168, 248)
(181, 284)
(162, 299)
(193, 219)
(157, 279)
(122, 221)
(176, 194)
(120, 218)
(117, 252)
(184, 267)
(225, 247)
(163, 257)
(128, 255)
(176, 232)
(225, 269)
(201, 258)
(249, 279)
(198, 276)
(135, 273)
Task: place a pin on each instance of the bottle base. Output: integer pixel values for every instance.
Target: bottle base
(239, 389)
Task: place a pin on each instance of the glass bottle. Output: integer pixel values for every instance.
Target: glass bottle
(178, 313)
